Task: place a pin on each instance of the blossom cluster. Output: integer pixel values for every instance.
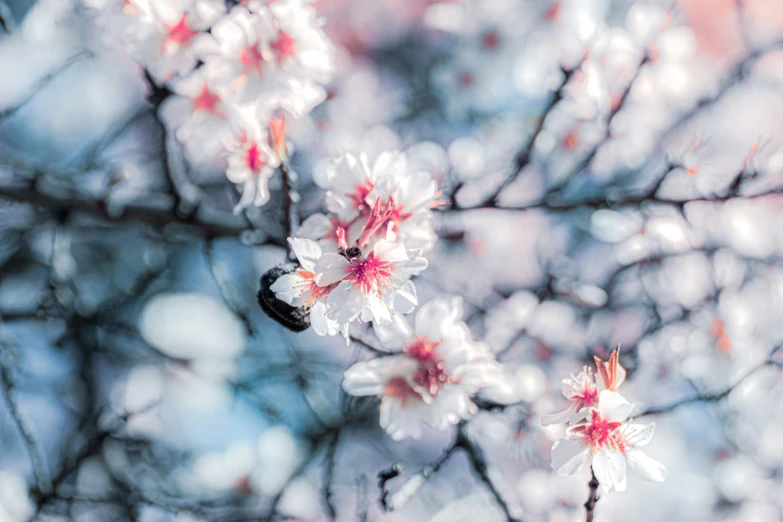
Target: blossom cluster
(435, 369)
(599, 432)
(357, 263)
(234, 74)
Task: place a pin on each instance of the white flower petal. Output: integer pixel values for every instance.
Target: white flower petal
(647, 467)
(609, 468)
(569, 456)
(330, 269)
(307, 252)
(613, 407)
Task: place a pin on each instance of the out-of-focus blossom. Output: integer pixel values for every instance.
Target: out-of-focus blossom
(436, 370)
(167, 36)
(15, 503)
(251, 160)
(276, 56)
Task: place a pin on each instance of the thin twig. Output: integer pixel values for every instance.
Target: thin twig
(328, 487)
(43, 82)
(34, 448)
(712, 397)
(523, 157)
(290, 214)
(592, 498)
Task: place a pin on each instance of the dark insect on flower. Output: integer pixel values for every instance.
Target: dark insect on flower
(293, 318)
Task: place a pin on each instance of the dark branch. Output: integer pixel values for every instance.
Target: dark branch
(592, 498)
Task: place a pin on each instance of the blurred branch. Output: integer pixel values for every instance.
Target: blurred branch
(713, 397)
(523, 157)
(43, 82)
(226, 292)
(616, 108)
(7, 22)
(463, 441)
(154, 209)
(34, 448)
(481, 468)
(743, 23)
(328, 487)
(411, 486)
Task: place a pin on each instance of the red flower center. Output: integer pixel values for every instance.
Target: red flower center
(206, 101)
(360, 193)
(255, 158)
(431, 373)
(284, 46)
(371, 275)
(252, 59)
(399, 388)
(179, 34)
(600, 433)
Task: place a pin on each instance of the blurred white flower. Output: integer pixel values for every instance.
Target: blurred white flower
(15, 503)
(251, 160)
(431, 379)
(167, 36)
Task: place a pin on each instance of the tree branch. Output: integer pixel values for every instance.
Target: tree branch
(34, 448)
(592, 498)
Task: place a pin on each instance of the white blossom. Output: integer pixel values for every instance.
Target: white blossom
(430, 379)
(608, 443)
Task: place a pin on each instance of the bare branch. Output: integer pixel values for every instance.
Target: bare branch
(43, 82)
(712, 397)
(523, 157)
(37, 457)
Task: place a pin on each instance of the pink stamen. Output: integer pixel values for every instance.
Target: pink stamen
(252, 59)
(375, 221)
(399, 388)
(207, 101)
(360, 193)
(284, 46)
(371, 275)
(601, 433)
(431, 373)
(179, 34)
(255, 157)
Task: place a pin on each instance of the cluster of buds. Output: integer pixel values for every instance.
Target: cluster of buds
(600, 433)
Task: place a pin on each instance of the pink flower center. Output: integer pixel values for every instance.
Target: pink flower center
(317, 293)
(422, 349)
(399, 388)
(490, 41)
(371, 275)
(206, 101)
(255, 158)
(179, 34)
(252, 59)
(431, 373)
(589, 395)
(600, 433)
(284, 46)
(360, 193)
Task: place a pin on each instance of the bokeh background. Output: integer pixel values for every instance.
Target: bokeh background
(141, 381)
